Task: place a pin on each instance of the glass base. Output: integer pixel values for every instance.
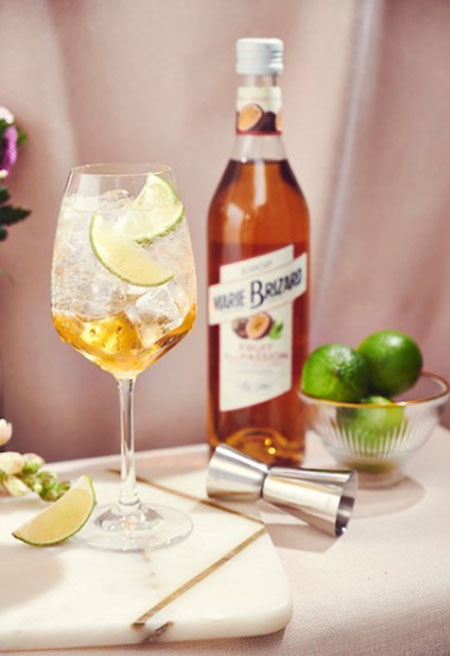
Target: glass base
(142, 529)
(368, 481)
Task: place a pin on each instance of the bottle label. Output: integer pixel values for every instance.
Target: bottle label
(258, 110)
(253, 307)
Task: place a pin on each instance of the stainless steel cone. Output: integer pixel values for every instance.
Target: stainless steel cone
(235, 476)
(322, 497)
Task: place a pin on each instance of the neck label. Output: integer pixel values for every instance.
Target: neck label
(258, 110)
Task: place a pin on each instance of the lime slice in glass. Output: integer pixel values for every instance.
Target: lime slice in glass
(123, 257)
(155, 212)
(62, 519)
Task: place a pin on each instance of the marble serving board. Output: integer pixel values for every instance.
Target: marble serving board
(225, 580)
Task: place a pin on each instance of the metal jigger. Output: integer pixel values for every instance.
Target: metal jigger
(322, 497)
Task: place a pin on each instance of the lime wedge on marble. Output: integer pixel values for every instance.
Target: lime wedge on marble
(63, 518)
(123, 257)
(156, 211)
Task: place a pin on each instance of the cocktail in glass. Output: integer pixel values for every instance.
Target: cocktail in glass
(123, 294)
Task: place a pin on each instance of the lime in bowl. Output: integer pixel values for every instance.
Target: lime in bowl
(377, 438)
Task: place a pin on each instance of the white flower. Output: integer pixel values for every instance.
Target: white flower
(15, 486)
(34, 458)
(6, 115)
(5, 431)
(11, 462)
(31, 463)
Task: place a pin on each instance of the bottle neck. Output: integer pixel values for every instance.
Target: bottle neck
(258, 119)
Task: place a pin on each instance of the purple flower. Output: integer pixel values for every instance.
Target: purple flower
(8, 153)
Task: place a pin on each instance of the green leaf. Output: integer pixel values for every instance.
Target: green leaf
(4, 195)
(10, 214)
(3, 234)
(54, 492)
(276, 330)
(3, 125)
(21, 136)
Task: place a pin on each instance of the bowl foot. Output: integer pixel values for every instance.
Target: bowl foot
(367, 481)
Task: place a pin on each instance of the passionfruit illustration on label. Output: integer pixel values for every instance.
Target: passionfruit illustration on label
(249, 118)
(259, 325)
(252, 118)
(239, 326)
(268, 124)
(278, 122)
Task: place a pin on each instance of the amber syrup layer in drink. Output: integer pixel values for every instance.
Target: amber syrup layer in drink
(113, 342)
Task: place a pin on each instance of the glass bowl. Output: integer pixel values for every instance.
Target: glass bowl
(377, 439)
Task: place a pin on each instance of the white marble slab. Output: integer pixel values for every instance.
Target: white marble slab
(225, 580)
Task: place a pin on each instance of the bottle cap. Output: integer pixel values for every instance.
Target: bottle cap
(259, 56)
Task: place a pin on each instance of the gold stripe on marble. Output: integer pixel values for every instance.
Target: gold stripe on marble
(140, 621)
(191, 497)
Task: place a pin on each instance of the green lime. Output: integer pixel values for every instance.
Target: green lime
(372, 428)
(62, 519)
(156, 211)
(394, 361)
(123, 257)
(335, 372)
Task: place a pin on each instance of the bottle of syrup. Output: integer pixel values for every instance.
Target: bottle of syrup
(258, 241)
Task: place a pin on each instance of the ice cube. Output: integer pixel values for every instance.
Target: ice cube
(179, 297)
(82, 285)
(90, 296)
(155, 314)
(114, 199)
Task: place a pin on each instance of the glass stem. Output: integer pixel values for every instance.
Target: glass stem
(128, 496)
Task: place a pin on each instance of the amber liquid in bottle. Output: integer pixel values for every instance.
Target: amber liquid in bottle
(257, 209)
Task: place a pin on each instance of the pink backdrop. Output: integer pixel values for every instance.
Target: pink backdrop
(366, 92)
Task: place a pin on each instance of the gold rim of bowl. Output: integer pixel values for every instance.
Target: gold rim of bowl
(444, 389)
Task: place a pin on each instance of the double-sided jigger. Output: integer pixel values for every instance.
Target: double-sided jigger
(322, 497)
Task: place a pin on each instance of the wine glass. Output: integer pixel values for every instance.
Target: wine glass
(123, 294)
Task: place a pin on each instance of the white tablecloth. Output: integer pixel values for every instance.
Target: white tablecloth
(383, 589)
